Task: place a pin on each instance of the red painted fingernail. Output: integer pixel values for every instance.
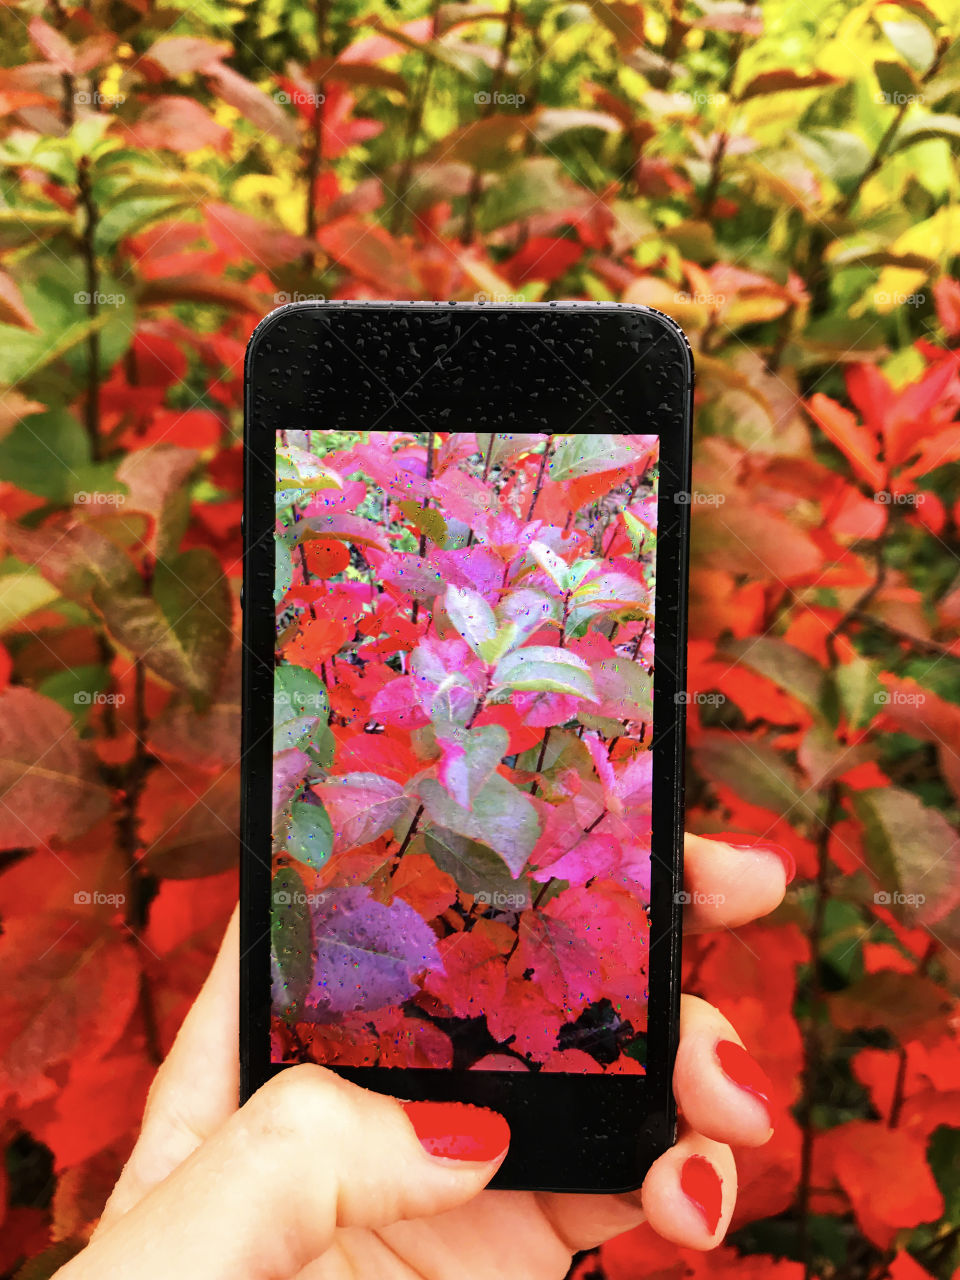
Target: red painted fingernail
(700, 1183)
(740, 840)
(457, 1131)
(745, 1072)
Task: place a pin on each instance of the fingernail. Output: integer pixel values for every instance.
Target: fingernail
(740, 840)
(457, 1131)
(745, 1072)
(700, 1183)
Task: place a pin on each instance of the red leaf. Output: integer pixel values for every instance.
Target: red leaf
(542, 258)
(173, 123)
(858, 445)
(67, 990)
(371, 253)
(48, 781)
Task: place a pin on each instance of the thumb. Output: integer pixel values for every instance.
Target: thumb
(310, 1152)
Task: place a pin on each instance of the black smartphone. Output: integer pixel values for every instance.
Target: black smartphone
(465, 565)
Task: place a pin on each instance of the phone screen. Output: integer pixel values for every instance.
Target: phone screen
(462, 775)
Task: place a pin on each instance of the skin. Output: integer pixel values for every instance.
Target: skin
(318, 1179)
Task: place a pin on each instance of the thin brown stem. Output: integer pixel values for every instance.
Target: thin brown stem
(540, 477)
(489, 107)
(411, 832)
(414, 127)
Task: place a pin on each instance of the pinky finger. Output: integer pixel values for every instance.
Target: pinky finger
(690, 1192)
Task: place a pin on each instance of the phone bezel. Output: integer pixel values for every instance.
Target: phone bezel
(299, 364)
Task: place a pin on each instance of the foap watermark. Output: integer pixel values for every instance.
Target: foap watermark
(897, 899)
(888, 499)
(897, 98)
(699, 699)
(94, 98)
(309, 702)
(885, 299)
(281, 299)
(84, 299)
(498, 99)
(686, 498)
(84, 498)
(694, 898)
(84, 698)
(501, 298)
(297, 898)
(702, 99)
(300, 98)
(94, 898)
(701, 299)
(501, 899)
(899, 698)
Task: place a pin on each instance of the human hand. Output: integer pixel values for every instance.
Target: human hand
(318, 1179)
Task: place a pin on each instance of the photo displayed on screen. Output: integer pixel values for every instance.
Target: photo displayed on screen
(462, 749)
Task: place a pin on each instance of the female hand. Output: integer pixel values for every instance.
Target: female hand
(318, 1179)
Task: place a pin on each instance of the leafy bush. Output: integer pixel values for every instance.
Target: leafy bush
(781, 179)
(462, 798)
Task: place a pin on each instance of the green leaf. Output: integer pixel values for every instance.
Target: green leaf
(21, 594)
(45, 454)
(182, 631)
(300, 703)
(859, 690)
(754, 771)
(509, 444)
(23, 354)
(913, 41)
(503, 817)
(788, 668)
(550, 563)
(470, 757)
(637, 532)
(542, 669)
(474, 866)
(129, 216)
(896, 81)
(913, 851)
(491, 651)
(583, 455)
(923, 128)
(471, 615)
(309, 834)
(841, 155)
(626, 684)
(428, 520)
(611, 591)
(283, 573)
(291, 941)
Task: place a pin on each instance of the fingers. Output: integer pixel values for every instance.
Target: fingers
(309, 1153)
(195, 1089)
(720, 1090)
(732, 881)
(690, 1192)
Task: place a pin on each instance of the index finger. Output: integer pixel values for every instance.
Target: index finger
(730, 880)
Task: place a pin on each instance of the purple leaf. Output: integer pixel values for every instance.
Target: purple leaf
(289, 768)
(368, 954)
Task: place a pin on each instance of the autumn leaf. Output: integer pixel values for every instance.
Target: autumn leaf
(48, 781)
(368, 954)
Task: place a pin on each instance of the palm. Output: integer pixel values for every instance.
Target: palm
(477, 1238)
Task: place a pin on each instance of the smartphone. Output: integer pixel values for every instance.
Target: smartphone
(465, 565)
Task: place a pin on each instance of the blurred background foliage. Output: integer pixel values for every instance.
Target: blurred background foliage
(782, 179)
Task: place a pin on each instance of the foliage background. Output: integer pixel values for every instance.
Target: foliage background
(781, 178)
